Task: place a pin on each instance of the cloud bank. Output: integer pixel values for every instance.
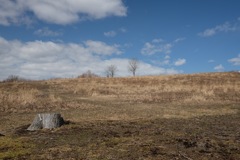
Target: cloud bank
(59, 12)
(43, 60)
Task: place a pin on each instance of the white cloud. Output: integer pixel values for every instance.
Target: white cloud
(12, 12)
(42, 60)
(156, 46)
(101, 48)
(180, 62)
(208, 32)
(179, 39)
(60, 12)
(159, 45)
(46, 32)
(159, 40)
(165, 62)
(226, 27)
(114, 33)
(123, 30)
(211, 61)
(110, 34)
(235, 61)
(219, 68)
(148, 69)
(167, 57)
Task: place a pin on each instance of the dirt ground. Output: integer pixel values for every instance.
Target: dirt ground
(206, 137)
(191, 118)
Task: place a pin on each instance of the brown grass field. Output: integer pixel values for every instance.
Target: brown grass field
(179, 117)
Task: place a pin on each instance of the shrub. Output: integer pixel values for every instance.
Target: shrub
(14, 78)
(88, 74)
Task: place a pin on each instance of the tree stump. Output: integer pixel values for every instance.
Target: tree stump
(46, 120)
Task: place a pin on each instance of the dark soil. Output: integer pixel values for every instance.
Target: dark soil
(207, 137)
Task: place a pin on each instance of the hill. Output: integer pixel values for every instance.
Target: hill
(155, 117)
(208, 88)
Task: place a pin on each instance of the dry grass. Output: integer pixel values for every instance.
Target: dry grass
(93, 102)
(88, 99)
(64, 94)
(179, 88)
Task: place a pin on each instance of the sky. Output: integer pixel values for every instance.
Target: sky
(42, 39)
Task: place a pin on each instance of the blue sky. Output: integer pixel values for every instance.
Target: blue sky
(65, 38)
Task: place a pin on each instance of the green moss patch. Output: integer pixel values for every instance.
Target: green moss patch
(13, 147)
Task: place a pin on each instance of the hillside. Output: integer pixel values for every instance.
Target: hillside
(209, 88)
(126, 113)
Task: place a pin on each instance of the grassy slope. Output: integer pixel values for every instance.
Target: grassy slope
(183, 89)
(152, 117)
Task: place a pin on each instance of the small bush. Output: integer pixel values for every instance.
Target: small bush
(88, 74)
(14, 78)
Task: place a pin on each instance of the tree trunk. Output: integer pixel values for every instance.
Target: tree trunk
(46, 120)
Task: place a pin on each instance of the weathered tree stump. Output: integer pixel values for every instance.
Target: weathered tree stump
(46, 120)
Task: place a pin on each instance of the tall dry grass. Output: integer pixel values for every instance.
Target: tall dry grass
(196, 88)
(209, 88)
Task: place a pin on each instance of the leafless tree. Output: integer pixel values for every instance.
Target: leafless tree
(133, 65)
(111, 71)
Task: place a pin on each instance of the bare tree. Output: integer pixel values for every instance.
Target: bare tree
(111, 71)
(133, 65)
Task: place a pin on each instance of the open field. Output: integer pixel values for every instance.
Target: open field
(155, 117)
